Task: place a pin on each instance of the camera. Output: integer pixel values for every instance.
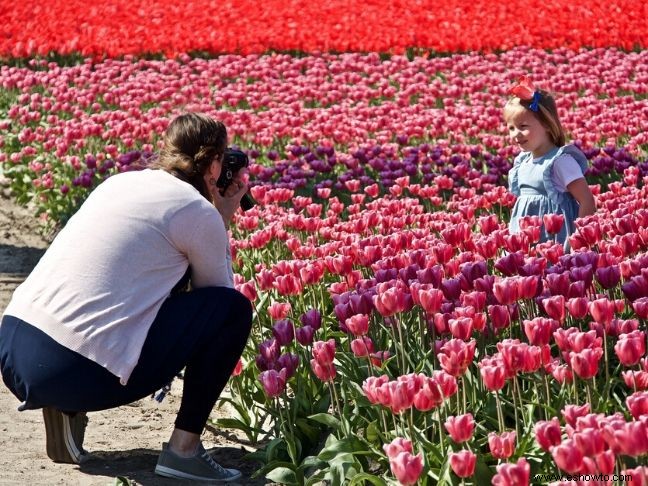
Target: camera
(233, 161)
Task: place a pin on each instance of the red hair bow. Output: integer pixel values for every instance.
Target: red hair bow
(523, 89)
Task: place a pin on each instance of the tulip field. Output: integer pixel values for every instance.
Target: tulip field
(401, 334)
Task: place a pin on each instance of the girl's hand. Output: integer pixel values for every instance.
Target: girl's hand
(229, 202)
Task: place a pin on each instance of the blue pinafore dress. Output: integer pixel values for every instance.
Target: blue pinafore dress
(531, 181)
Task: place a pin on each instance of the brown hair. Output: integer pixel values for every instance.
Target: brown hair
(191, 142)
(547, 114)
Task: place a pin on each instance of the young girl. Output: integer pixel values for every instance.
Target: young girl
(547, 176)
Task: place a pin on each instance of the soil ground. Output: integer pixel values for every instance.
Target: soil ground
(124, 441)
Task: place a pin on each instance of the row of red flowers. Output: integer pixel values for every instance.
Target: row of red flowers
(118, 27)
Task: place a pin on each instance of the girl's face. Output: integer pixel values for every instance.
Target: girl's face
(527, 132)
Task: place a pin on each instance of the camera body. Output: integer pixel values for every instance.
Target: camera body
(233, 161)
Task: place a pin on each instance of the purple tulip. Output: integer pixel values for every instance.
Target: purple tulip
(312, 318)
(283, 332)
(274, 382)
(608, 277)
(304, 335)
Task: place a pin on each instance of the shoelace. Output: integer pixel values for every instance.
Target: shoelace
(214, 464)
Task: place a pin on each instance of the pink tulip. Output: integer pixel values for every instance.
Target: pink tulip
(324, 371)
(463, 463)
(585, 363)
(631, 347)
(548, 433)
(456, 356)
(572, 412)
(494, 377)
(461, 427)
(509, 474)
(555, 307)
(553, 223)
(362, 346)
(397, 446)
(502, 446)
(358, 324)
(602, 310)
(406, 467)
(324, 351)
(568, 457)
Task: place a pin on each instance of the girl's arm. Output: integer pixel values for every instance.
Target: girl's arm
(582, 193)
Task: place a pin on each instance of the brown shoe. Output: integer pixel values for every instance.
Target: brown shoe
(64, 435)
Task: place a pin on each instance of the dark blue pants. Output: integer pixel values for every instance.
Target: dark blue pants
(203, 331)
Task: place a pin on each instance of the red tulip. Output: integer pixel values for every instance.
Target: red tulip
(463, 463)
(476, 299)
(461, 427)
(248, 289)
(446, 383)
(501, 446)
(238, 369)
(590, 441)
(632, 438)
(371, 386)
(548, 433)
(509, 474)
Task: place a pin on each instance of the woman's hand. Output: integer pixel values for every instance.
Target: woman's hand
(229, 202)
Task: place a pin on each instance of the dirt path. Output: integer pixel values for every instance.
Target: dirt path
(124, 441)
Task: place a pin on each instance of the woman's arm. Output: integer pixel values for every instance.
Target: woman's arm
(582, 193)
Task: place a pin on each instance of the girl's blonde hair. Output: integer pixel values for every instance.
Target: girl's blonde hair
(191, 143)
(547, 115)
